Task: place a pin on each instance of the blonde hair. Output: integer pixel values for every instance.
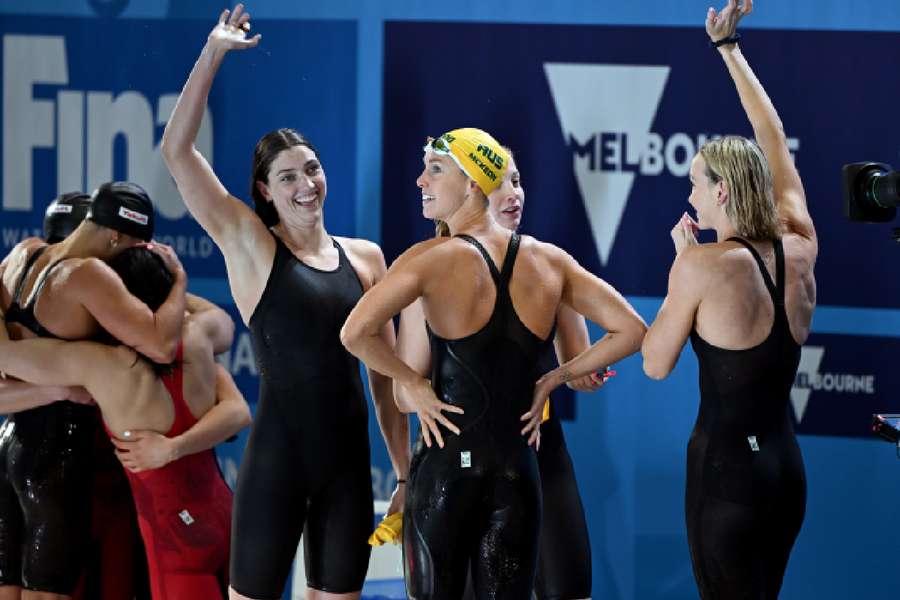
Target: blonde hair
(441, 229)
(740, 163)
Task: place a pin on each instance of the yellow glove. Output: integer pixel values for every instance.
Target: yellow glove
(389, 530)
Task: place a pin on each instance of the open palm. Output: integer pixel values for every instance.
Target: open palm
(230, 33)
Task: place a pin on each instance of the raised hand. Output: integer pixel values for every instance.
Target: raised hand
(723, 24)
(230, 33)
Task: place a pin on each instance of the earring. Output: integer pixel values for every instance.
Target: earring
(113, 243)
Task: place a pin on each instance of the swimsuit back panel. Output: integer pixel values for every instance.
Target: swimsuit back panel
(491, 373)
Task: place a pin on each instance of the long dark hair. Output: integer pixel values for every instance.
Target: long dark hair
(145, 275)
(267, 149)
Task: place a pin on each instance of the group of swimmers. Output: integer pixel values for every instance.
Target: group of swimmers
(489, 500)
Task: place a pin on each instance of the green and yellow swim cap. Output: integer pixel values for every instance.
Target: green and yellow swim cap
(479, 155)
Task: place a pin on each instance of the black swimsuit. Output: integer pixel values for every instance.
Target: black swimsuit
(478, 499)
(45, 479)
(306, 467)
(746, 488)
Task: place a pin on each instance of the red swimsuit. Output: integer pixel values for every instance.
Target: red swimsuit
(184, 513)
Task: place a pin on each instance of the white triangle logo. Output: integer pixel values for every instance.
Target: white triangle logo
(810, 361)
(591, 99)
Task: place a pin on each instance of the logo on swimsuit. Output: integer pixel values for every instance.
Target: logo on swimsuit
(606, 112)
(82, 128)
(809, 380)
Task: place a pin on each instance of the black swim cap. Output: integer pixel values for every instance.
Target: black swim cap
(64, 215)
(124, 207)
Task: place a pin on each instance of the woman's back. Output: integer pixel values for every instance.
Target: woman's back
(461, 280)
(735, 310)
(490, 373)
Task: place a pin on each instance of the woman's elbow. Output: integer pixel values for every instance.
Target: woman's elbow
(638, 332)
(242, 416)
(163, 353)
(352, 336)
(169, 149)
(654, 370)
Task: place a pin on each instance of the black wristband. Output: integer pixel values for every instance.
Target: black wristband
(724, 41)
(399, 481)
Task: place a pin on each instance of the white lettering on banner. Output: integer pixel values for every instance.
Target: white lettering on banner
(78, 121)
(809, 380)
(189, 246)
(606, 112)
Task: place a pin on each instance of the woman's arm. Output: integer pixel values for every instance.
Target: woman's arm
(571, 340)
(790, 198)
(101, 292)
(361, 335)
(667, 335)
(247, 245)
(394, 425)
(144, 450)
(412, 348)
(51, 362)
(16, 396)
(215, 323)
(601, 303)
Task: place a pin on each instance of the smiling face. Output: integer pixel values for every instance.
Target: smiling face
(507, 201)
(443, 186)
(705, 194)
(295, 185)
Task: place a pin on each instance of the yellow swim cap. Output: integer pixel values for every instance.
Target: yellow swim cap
(479, 155)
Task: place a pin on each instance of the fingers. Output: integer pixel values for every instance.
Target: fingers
(535, 436)
(128, 462)
(236, 15)
(223, 16)
(437, 434)
(122, 444)
(748, 7)
(447, 423)
(252, 42)
(534, 420)
(450, 408)
(423, 425)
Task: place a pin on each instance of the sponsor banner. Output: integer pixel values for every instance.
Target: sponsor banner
(85, 101)
(604, 122)
(842, 381)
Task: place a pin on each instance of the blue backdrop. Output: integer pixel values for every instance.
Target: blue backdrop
(604, 104)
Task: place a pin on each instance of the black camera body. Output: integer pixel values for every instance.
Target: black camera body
(871, 192)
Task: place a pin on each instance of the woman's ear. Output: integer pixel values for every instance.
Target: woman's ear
(264, 190)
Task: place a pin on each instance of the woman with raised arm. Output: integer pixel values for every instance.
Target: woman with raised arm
(746, 302)
(474, 497)
(564, 561)
(306, 467)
